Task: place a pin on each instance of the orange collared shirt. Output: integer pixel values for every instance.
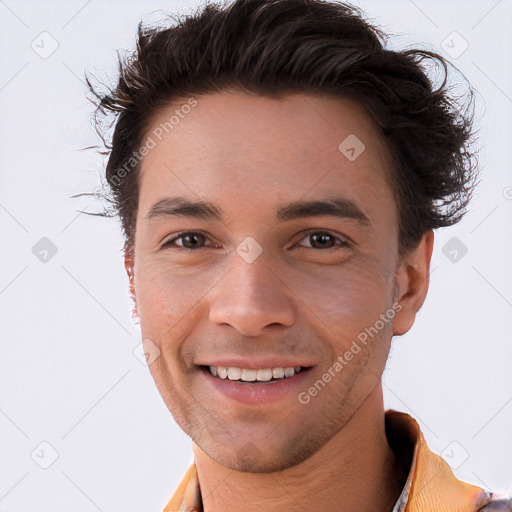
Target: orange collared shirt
(430, 486)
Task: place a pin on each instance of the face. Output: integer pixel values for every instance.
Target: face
(264, 247)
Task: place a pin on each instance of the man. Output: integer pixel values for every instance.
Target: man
(279, 175)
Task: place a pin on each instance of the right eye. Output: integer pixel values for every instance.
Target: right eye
(190, 241)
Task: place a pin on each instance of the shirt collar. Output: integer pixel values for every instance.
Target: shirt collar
(430, 484)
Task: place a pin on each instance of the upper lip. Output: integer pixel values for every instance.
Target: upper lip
(256, 364)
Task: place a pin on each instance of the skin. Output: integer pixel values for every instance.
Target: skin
(249, 155)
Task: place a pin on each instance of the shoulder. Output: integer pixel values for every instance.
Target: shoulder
(498, 503)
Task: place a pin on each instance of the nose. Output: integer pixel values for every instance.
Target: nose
(251, 297)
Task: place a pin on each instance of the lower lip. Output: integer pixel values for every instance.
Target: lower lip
(257, 394)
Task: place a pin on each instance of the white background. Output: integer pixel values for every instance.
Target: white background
(68, 375)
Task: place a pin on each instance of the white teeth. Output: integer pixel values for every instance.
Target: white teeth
(251, 375)
(289, 372)
(264, 375)
(234, 373)
(248, 375)
(278, 373)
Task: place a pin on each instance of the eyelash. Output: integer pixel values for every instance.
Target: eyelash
(343, 242)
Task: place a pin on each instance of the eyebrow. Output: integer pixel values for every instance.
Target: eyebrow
(334, 207)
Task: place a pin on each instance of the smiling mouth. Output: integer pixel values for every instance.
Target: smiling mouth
(253, 376)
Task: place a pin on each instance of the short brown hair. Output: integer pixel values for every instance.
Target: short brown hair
(273, 47)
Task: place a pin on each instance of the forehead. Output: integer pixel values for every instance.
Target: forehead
(242, 149)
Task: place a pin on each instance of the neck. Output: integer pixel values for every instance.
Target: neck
(364, 475)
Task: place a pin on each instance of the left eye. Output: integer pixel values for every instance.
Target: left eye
(324, 240)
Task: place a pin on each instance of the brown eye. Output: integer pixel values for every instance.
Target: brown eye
(192, 240)
(321, 240)
(324, 240)
(189, 240)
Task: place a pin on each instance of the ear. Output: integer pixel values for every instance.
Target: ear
(412, 280)
(129, 265)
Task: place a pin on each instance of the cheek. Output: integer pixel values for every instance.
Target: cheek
(154, 298)
(343, 298)
(169, 298)
(348, 296)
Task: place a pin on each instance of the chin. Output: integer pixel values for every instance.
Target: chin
(264, 458)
